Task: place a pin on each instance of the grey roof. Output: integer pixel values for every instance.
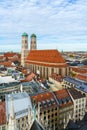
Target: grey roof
(72, 126)
(21, 102)
(34, 87)
(76, 94)
(75, 81)
(82, 88)
(36, 126)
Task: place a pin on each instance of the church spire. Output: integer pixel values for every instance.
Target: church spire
(12, 120)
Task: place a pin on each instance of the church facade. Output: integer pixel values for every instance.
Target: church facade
(43, 62)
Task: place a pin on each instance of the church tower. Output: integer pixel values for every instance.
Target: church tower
(33, 45)
(24, 51)
(12, 120)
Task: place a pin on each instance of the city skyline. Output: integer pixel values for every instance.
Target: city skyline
(58, 24)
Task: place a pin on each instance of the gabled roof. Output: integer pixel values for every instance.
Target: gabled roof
(11, 54)
(7, 64)
(63, 98)
(45, 56)
(56, 77)
(36, 126)
(72, 125)
(45, 99)
(75, 94)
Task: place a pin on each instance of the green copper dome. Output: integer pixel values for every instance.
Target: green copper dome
(24, 34)
(33, 35)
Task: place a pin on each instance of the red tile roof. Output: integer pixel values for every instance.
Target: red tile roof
(12, 56)
(9, 54)
(46, 57)
(6, 63)
(44, 97)
(1, 57)
(56, 77)
(81, 77)
(2, 113)
(30, 76)
(79, 70)
(62, 94)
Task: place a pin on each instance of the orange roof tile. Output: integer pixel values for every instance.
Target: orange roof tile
(2, 113)
(62, 94)
(6, 63)
(47, 56)
(44, 97)
(9, 54)
(79, 70)
(81, 77)
(30, 77)
(56, 77)
(1, 56)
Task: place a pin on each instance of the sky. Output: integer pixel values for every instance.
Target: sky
(58, 24)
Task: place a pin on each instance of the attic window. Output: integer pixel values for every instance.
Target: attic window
(48, 101)
(53, 101)
(40, 104)
(44, 103)
(64, 101)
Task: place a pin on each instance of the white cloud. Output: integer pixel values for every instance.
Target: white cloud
(53, 21)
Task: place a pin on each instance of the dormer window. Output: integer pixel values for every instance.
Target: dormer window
(44, 103)
(48, 101)
(53, 101)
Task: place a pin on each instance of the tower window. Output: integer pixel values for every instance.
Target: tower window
(25, 41)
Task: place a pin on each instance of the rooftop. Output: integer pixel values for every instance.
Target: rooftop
(75, 81)
(56, 77)
(63, 97)
(36, 126)
(75, 94)
(46, 57)
(24, 34)
(7, 79)
(33, 87)
(45, 99)
(21, 102)
(82, 88)
(33, 35)
(2, 113)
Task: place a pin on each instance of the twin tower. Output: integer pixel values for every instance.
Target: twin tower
(25, 50)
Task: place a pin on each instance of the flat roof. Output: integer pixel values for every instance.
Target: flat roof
(34, 87)
(7, 79)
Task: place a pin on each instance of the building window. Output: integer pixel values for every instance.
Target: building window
(25, 41)
(52, 115)
(44, 112)
(52, 110)
(59, 71)
(55, 108)
(48, 111)
(44, 117)
(52, 70)
(48, 116)
(56, 114)
(3, 128)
